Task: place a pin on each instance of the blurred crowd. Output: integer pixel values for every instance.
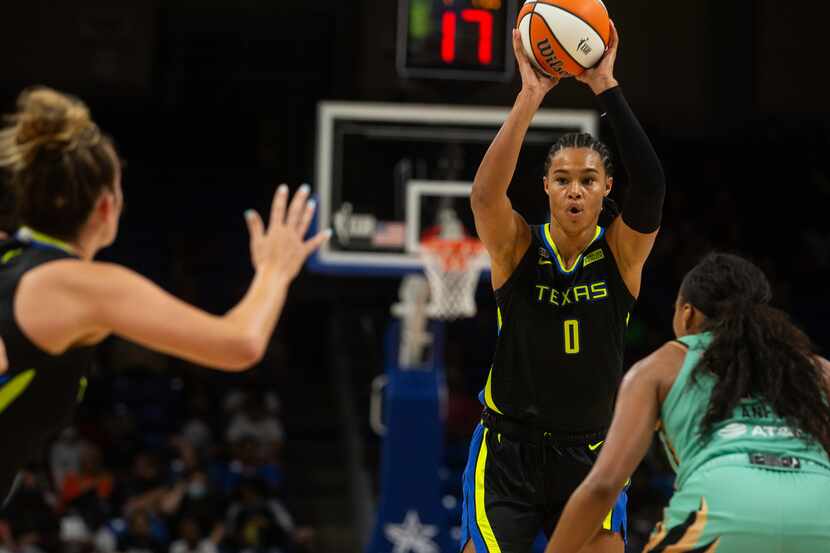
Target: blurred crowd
(158, 470)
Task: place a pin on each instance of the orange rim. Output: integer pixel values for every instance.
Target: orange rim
(455, 255)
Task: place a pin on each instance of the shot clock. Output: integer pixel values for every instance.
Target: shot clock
(456, 39)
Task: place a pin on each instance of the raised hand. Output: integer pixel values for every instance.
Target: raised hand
(601, 77)
(532, 81)
(281, 245)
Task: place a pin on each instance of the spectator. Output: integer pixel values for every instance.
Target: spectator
(191, 539)
(65, 455)
(249, 462)
(254, 420)
(257, 524)
(139, 537)
(30, 516)
(196, 430)
(146, 487)
(192, 492)
(90, 478)
(86, 496)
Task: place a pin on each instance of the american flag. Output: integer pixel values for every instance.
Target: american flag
(389, 235)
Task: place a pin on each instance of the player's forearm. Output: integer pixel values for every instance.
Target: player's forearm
(643, 206)
(256, 315)
(581, 519)
(496, 170)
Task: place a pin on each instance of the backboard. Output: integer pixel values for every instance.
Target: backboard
(387, 173)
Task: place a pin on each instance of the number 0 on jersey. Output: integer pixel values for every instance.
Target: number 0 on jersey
(572, 336)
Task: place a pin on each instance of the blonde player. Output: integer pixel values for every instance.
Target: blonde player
(57, 303)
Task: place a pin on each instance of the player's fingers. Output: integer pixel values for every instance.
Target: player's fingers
(255, 226)
(297, 207)
(614, 39)
(278, 206)
(517, 42)
(308, 215)
(316, 241)
(519, 51)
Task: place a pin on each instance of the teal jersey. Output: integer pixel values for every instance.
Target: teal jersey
(753, 426)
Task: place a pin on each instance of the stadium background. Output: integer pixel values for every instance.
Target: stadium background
(212, 103)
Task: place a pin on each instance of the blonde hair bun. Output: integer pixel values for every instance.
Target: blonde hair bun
(46, 120)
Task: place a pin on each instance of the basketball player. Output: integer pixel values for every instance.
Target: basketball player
(56, 303)
(742, 404)
(564, 292)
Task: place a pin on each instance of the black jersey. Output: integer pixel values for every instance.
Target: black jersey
(559, 354)
(39, 391)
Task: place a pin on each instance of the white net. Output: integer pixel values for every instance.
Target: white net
(452, 268)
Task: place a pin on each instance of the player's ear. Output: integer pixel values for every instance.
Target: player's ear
(545, 182)
(106, 204)
(687, 316)
(609, 184)
(692, 318)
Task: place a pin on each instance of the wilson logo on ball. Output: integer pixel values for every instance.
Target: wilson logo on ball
(546, 49)
(584, 46)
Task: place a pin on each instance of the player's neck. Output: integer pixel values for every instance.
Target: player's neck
(87, 243)
(570, 245)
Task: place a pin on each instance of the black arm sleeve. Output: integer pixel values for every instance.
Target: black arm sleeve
(643, 206)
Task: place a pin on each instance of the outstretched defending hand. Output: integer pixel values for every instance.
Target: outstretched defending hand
(533, 82)
(601, 77)
(281, 246)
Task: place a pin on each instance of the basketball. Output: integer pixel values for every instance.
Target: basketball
(564, 37)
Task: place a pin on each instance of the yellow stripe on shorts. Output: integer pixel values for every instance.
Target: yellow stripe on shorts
(481, 514)
(606, 524)
(14, 387)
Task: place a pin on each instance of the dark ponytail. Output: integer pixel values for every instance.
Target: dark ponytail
(756, 351)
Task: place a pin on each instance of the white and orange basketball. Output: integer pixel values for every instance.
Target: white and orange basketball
(564, 37)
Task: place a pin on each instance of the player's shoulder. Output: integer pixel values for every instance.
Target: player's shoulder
(660, 368)
(74, 275)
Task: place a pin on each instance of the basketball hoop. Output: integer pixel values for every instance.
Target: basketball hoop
(452, 267)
